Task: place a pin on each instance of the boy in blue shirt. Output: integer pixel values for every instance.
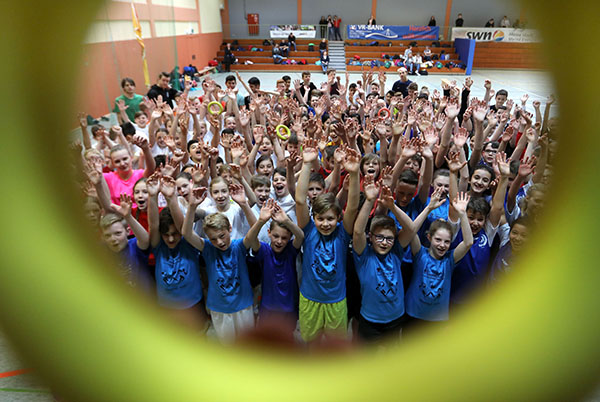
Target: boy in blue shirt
(177, 270)
(322, 306)
(278, 261)
(472, 270)
(229, 297)
(378, 264)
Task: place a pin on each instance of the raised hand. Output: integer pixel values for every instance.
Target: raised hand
(479, 111)
(386, 176)
(140, 141)
(236, 191)
(460, 202)
(452, 108)
(293, 159)
(351, 161)
(278, 214)
(167, 186)
(550, 100)
(386, 198)
(82, 119)
(93, 173)
(309, 151)
(199, 173)
(124, 208)
(153, 184)
(527, 166)
(197, 196)
(460, 137)
(508, 134)
(503, 164)
(438, 197)
(266, 212)
(524, 99)
(454, 163)
(410, 148)
(468, 83)
(371, 188)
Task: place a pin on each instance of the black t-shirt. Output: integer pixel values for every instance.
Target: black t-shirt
(401, 87)
(459, 22)
(311, 87)
(168, 94)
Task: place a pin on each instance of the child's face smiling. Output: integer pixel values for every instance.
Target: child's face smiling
(220, 193)
(382, 240)
(280, 185)
(121, 160)
(371, 168)
(442, 182)
(476, 221)
(141, 120)
(262, 194)
(184, 186)
(440, 243)
(220, 238)
(480, 181)
(140, 196)
(326, 222)
(518, 236)
(279, 238)
(115, 237)
(265, 168)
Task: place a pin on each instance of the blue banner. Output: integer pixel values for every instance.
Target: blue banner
(393, 32)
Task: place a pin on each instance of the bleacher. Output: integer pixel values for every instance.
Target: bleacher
(367, 53)
(263, 60)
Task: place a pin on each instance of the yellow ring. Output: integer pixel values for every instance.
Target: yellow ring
(287, 131)
(211, 111)
(534, 338)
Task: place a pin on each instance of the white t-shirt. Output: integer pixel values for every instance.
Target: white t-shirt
(235, 214)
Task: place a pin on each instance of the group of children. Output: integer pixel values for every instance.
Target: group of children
(317, 206)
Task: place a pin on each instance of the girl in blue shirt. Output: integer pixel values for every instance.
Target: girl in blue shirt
(428, 295)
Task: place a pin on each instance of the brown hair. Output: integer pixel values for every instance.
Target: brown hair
(325, 202)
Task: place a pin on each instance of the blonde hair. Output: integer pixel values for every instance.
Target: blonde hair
(216, 221)
(110, 219)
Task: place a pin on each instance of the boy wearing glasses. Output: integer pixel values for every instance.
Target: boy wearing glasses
(378, 262)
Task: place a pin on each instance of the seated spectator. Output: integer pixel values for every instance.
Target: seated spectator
(292, 41)
(277, 57)
(414, 64)
(322, 46)
(490, 23)
(285, 50)
(427, 54)
(505, 22)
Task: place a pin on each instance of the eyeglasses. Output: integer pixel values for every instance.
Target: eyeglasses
(384, 239)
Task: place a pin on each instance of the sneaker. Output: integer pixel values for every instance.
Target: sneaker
(417, 72)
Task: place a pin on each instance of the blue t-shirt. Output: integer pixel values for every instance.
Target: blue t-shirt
(324, 264)
(133, 266)
(413, 209)
(473, 268)
(381, 284)
(440, 212)
(229, 288)
(428, 295)
(502, 263)
(178, 283)
(279, 279)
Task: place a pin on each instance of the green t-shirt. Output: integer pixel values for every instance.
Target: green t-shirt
(133, 103)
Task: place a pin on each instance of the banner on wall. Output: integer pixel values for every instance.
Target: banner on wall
(496, 34)
(299, 31)
(395, 32)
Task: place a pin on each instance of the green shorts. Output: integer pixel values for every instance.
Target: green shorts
(314, 317)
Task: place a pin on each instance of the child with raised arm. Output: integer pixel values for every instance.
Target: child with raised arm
(229, 297)
(177, 272)
(278, 260)
(322, 306)
(378, 263)
(133, 265)
(428, 295)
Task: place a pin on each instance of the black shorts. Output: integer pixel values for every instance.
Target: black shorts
(375, 331)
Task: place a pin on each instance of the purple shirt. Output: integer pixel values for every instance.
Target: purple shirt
(279, 280)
